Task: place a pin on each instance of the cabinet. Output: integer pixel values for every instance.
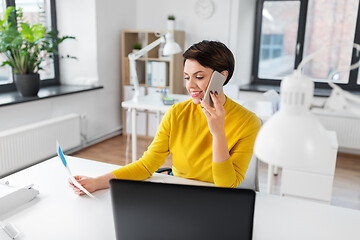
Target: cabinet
(141, 117)
(152, 63)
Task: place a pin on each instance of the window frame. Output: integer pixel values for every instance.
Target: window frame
(11, 87)
(256, 80)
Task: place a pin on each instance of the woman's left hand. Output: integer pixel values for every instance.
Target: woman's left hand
(215, 115)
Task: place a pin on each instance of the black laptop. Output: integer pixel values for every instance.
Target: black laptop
(146, 210)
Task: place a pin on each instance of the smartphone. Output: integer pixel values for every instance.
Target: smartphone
(215, 85)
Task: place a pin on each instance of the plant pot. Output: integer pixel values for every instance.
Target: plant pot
(28, 85)
(171, 25)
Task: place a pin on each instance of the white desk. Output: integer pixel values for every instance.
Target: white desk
(263, 109)
(57, 213)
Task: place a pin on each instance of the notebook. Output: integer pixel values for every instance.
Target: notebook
(148, 210)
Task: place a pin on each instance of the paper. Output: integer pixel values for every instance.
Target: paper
(67, 169)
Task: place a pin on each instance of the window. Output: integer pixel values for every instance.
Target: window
(288, 30)
(271, 46)
(35, 11)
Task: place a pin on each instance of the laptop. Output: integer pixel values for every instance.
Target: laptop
(148, 210)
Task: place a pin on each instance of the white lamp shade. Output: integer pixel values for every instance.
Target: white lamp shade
(171, 47)
(295, 142)
(296, 93)
(294, 138)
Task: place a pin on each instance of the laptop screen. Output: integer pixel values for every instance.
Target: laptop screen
(146, 210)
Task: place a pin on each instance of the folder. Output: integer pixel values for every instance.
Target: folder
(149, 73)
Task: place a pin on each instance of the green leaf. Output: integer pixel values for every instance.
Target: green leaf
(10, 11)
(9, 35)
(3, 21)
(11, 17)
(4, 63)
(38, 32)
(17, 42)
(27, 33)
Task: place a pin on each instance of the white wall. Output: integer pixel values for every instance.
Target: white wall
(97, 26)
(245, 26)
(82, 25)
(232, 23)
(196, 29)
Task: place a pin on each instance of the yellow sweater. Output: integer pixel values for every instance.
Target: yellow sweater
(185, 134)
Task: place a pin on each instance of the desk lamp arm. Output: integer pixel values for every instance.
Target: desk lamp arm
(339, 98)
(132, 62)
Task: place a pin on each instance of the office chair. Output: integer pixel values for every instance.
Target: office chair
(251, 180)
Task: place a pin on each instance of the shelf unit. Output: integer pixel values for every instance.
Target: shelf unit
(173, 67)
(174, 62)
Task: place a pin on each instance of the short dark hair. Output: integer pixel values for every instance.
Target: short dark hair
(212, 54)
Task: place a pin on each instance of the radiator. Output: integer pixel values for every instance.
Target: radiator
(26, 145)
(346, 128)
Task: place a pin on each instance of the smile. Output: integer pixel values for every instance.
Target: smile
(195, 93)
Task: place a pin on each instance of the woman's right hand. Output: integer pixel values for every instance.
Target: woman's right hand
(87, 182)
(91, 184)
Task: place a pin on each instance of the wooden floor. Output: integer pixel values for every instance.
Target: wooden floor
(346, 188)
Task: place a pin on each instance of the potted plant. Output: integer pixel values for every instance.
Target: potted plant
(25, 47)
(171, 22)
(136, 47)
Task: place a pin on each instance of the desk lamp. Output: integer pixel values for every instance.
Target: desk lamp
(340, 100)
(293, 137)
(295, 140)
(171, 47)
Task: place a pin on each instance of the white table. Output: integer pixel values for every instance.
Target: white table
(152, 102)
(57, 213)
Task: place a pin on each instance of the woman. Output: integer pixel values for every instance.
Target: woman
(212, 144)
